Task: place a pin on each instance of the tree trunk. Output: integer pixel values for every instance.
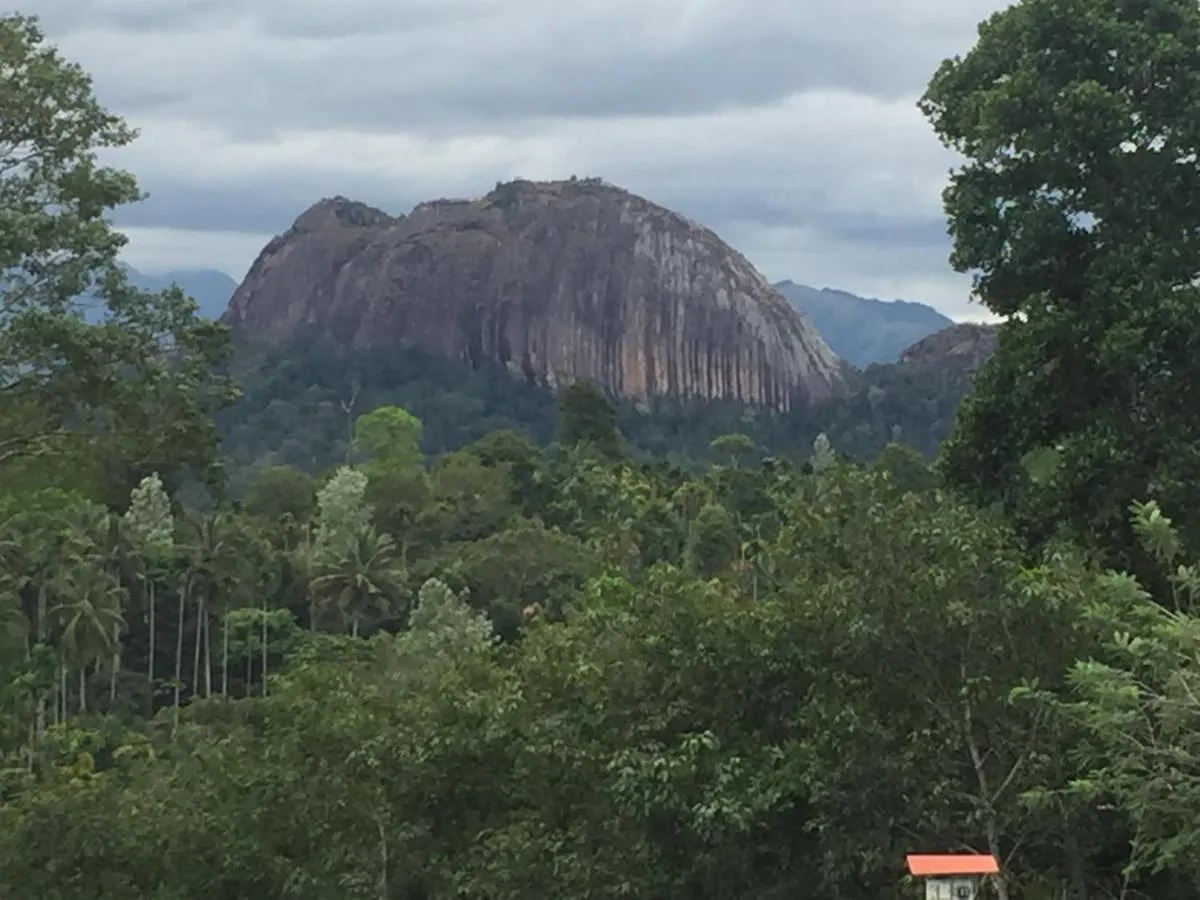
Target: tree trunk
(207, 655)
(201, 612)
(991, 828)
(150, 663)
(383, 857)
(225, 652)
(116, 666)
(82, 689)
(1075, 864)
(41, 639)
(354, 627)
(264, 645)
(249, 666)
(179, 655)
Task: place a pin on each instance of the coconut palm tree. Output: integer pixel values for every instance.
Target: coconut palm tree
(87, 612)
(102, 539)
(366, 577)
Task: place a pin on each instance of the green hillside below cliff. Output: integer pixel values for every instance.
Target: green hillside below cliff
(298, 399)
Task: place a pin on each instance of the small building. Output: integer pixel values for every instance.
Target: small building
(953, 876)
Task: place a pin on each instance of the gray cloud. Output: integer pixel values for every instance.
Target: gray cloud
(380, 65)
(788, 126)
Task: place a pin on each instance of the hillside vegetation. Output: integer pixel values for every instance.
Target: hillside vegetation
(299, 399)
(513, 669)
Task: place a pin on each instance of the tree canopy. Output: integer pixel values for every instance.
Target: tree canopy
(83, 401)
(512, 667)
(1078, 211)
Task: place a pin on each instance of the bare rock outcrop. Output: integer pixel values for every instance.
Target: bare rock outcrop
(965, 345)
(558, 280)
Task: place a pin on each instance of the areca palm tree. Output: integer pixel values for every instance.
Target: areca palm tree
(15, 567)
(304, 558)
(26, 562)
(366, 577)
(87, 612)
(216, 561)
(14, 627)
(248, 573)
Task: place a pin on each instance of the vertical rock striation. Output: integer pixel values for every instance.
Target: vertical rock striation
(558, 280)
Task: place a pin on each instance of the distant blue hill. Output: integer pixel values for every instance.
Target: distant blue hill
(861, 330)
(209, 288)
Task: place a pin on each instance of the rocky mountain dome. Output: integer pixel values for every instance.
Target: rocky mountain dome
(965, 345)
(558, 280)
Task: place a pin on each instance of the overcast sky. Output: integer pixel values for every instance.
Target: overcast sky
(787, 126)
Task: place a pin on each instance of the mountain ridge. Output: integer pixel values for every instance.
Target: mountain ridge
(863, 330)
(210, 288)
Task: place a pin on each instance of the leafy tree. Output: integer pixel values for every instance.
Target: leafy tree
(732, 446)
(135, 389)
(467, 500)
(519, 569)
(712, 541)
(150, 527)
(398, 499)
(1142, 705)
(1077, 210)
(587, 417)
(392, 436)
(822, 453)
(906, 467)
(442, 615)
(149, 521)
(342, 513)
(521, 457)
(922, 627)
(281, 491)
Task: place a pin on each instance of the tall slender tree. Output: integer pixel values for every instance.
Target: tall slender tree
(150, 527)
(214, 559)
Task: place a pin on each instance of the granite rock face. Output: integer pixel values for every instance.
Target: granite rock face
(965, 345)
(557, 280)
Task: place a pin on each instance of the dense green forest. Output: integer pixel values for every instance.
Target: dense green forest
(512, 650)
(298, 402)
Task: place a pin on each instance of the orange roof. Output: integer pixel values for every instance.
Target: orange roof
(925, 865)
